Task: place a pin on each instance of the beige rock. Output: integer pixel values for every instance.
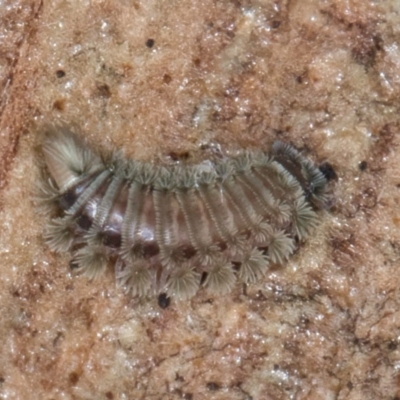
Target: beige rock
(321, 75)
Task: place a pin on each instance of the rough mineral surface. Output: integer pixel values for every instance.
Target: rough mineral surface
(168, 80)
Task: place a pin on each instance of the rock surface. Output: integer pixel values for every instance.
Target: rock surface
(162, 81)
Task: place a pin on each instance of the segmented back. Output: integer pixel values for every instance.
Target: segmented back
(174, 229)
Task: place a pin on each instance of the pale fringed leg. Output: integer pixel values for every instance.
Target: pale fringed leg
(183, 282)
(220, 277)
(91, 261)
(46, 197)
(304, 218)
(253, 267)
(59, 234)
(280, 247)
(67, 157)
(278, 243)
(136, 277)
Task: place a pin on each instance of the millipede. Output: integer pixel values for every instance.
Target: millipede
(173, 229)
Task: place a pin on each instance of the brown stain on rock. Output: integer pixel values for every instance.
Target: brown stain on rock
(15, 108)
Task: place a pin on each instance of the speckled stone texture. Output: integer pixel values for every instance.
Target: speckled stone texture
(161, 80)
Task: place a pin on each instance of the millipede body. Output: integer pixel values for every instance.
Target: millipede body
(174, 229)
